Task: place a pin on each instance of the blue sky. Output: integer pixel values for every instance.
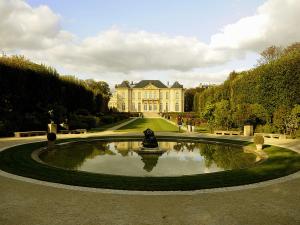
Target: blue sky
(191, 41)
(174, 17)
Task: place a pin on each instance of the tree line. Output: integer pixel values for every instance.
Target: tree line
(29, 90)
(267, 96)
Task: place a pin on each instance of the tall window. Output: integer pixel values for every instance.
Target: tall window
(154, 95)
(145, 94)
(154, 107)
(160, 107)
(160, 95)
(145, 107)
(150, 107)
(150, 94)
(123, 106)
(177, 95)
(167, 107)
(176, 107)
(139, 95)
(139, 107)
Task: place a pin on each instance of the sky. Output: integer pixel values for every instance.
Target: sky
(190, 41)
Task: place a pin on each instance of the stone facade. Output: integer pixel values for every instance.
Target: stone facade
(148, 96)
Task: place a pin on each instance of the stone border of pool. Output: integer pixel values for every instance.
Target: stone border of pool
(130, 192)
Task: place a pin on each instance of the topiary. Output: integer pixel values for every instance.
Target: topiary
(259, 140)
(51, 136)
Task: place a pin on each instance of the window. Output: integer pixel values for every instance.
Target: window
(154, 107)
(160, 107)
(133, 95)
(160, 95)
(176, 107)
(150, 107)
(177, 95)
(139, 95)
(139, 107)
(145, 94)
(154, 95)
(123, 106)
(167, 95)
(167, 107)
(150, 94)
(145, 107)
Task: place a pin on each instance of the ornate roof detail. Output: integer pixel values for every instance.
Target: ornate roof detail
(176, 85)
(144, 83)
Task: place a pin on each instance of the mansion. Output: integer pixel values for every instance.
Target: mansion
(148, 96)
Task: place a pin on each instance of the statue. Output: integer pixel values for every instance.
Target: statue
(52, 127)
(51, 115)
(149, 139)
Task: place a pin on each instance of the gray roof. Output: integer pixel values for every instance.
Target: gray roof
(124, 84)
(176, 85)
(144, 83)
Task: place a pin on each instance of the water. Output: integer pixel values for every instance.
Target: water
(122, 158)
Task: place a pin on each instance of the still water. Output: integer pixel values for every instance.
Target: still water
(122, 158)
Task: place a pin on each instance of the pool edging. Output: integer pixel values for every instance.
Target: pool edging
(129, 192)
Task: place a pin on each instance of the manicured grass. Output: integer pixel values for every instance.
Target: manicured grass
(280, 162)
(107, 126)
(155, 124)
(202, 129)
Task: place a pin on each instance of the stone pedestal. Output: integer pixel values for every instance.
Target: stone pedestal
(248, 130)
(52, 128)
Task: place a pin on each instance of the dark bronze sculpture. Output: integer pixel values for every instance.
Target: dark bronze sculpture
(149, 139)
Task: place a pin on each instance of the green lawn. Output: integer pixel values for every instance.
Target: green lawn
(107, 126)
(155, 124)
(280, 162)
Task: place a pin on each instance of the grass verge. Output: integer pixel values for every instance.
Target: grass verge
(155, 124)
(280, 162)
(107, 126)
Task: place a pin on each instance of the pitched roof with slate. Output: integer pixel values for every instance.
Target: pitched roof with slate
(124, 84)
(176, 85)
(144, 83)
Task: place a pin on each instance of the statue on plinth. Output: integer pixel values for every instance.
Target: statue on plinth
(149, 140)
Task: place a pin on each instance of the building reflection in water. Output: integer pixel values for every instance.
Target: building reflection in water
(121, 158)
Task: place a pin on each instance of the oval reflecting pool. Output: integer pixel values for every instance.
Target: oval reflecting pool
(124, 158)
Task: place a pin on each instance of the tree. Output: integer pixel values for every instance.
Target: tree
(281, 119)
(270, 54)
(189, 95)
(293, 120)
(295, 47)
(223, 118)
(29, 90)
(208, 115)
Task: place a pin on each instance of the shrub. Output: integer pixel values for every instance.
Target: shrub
(109, 119)
(4, 130)
(268, 128)
(82, 122)
(259, 140)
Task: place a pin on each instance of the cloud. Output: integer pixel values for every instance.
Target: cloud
(24, 27)
(276, 22)
(37, 33)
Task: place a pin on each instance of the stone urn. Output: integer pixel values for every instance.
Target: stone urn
(259, 141)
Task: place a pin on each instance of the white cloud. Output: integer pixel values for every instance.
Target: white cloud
(276, 22)
(37, 33)
(24, 27)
